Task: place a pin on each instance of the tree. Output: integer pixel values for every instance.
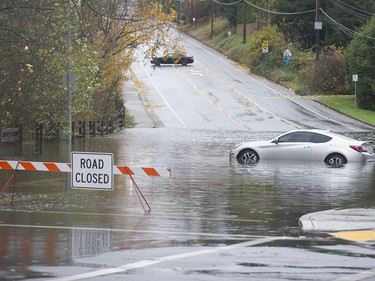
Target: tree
(34, 55)
(351, 14)
(360, 60)
(297, 27)
(31, 70)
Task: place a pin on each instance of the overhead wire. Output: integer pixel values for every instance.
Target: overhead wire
(263, 9)
(228, 4)
(279, 13)
(352, 10)
(364, 12)
(345, 29)
(346, 7)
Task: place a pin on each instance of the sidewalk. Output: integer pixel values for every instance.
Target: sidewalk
(135, 107)
(352, 224)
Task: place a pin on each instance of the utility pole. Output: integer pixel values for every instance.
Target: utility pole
(244, 22)
(318, 27)
(192, 11)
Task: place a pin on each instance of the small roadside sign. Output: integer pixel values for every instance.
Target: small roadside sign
(287, 56)
(92, 170)
(264, 48)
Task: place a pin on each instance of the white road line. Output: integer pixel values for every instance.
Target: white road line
(269, 88)
(164, 232)
(163, 98)
(144, 263)
(131, 215)
(231, 117)
(250, 100)
(359, 276)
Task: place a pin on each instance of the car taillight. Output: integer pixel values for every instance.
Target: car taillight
(358, 148)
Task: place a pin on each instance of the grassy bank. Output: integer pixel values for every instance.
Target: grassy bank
(346, 105)
(293, 76)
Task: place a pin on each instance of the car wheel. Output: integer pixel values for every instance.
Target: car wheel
(184, 63)
(335, 159)
(247, 156)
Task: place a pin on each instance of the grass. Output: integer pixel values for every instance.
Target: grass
(346, 105)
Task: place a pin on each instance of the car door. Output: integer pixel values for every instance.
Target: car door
(291, 146)
(321, 147)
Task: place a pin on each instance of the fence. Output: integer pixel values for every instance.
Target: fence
(50, 132)
(11, 136)
(82, 129)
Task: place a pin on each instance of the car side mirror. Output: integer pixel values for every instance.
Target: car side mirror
(275, 141)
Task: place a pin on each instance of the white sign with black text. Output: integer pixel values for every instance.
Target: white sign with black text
(92, 170)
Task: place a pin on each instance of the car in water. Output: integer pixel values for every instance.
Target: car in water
(172, 58)
(309, 145)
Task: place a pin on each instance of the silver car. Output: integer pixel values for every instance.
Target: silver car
(309, 145)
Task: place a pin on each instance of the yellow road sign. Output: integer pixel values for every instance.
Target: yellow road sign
(265, 48)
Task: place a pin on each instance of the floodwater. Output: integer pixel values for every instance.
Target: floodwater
(207, 201)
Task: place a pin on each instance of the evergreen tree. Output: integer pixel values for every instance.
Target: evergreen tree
(360, 60)
(344, 16)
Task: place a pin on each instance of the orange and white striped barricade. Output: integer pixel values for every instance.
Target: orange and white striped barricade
(67, 168)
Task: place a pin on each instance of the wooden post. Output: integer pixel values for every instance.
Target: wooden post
(102, 128)
(84, 129)
(94, 129)
(72, 130)
(1, 138)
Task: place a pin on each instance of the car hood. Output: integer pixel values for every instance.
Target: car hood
(253, 144)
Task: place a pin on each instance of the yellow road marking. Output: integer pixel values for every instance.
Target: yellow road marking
(362, 235)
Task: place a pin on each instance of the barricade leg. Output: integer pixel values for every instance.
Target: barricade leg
(14, 175)
(141, 197)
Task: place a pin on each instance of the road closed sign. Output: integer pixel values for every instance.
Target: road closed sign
(92, 170)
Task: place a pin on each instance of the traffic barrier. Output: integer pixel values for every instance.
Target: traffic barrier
(67, 167)
(16, 166)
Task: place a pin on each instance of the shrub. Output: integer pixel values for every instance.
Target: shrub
(261, 63)
(326, 74)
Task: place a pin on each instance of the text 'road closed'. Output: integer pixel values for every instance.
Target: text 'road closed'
(92, 170)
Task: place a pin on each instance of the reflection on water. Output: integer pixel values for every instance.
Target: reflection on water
(208, 199)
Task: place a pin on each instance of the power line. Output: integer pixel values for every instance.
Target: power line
(279, 13)
(352, 10)
(228, 4)
(264, 9)
(343, 28)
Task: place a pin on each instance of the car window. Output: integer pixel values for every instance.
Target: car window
(296, 137)
(319, 138)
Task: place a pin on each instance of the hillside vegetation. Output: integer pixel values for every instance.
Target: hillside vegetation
(323, 77)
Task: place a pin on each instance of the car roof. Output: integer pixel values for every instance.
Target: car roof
(324, 132)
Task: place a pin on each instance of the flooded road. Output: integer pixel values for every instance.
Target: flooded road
(208, 201)
(212, 219)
